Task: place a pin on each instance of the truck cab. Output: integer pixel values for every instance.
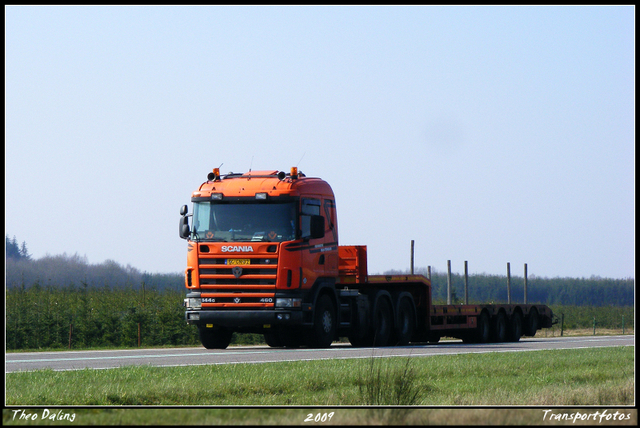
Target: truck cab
(261, 246)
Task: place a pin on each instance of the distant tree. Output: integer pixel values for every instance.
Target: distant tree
(24, 253)
(13, 251)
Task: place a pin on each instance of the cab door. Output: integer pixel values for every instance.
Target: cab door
(313, 260)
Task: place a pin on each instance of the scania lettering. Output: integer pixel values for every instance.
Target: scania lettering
(263, 257)
(237, 249)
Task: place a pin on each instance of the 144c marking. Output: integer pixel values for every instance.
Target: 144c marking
(320, 417)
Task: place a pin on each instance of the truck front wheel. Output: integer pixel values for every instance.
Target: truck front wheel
(215, 339)
(323, 331)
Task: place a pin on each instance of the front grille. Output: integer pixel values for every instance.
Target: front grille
(243, 286)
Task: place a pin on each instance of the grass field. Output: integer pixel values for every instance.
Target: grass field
(573, 378)
(602, 376)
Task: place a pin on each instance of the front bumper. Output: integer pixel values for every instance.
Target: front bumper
(243, 319)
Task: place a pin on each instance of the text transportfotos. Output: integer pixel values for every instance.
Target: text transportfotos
(596, 416)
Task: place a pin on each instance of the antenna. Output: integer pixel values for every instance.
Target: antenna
(251, 164)
(301, 159)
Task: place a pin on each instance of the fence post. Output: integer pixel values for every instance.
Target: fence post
(623, 324)
(412, 247)
(138, 335)
(466, 283)
(448, 282)
(508, 283)
(525, 283)
(562, 326)
(71, 329)
(594, 326)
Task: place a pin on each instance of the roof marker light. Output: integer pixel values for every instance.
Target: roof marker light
(294, 172)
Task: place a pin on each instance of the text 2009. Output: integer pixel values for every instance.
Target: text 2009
(320, 417)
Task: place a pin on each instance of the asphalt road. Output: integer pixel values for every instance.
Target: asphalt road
(77, 360)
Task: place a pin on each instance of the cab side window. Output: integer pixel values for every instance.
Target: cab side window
(308, 208)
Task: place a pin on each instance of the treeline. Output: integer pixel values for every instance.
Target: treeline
(70, 317)
(485, 288)
(85, 317)
(14, 251)
(65, 270)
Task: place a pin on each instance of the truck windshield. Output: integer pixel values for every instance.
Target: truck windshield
(233, 222)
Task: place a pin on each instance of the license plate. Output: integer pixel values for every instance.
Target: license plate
(238, 261)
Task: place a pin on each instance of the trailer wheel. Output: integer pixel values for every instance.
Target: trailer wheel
(515, 331)
(531, 325)
(214, 339)
(483, 332)
(382, 322)
(500, 328)
(406, 322)
(323, 331)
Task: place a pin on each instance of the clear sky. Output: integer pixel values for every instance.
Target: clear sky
(486, 134)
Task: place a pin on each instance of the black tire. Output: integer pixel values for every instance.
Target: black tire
(291, 338)
(515, 327)
(406, 324)
(273, 339)
(382, 322)
(531, 324)
(214, 338)
(483, 331)
(358, 336)
(434, 339)
(323, 332)
(500, 328)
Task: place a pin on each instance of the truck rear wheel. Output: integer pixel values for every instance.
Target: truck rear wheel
(323, 331)
(358, 336)
(406, 322)
(214, 339)
(382, 322)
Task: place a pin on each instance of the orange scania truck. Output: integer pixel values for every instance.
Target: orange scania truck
(263, 257)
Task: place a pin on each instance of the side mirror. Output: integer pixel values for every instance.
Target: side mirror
(183, 210)
(317, 227)
(184, 227)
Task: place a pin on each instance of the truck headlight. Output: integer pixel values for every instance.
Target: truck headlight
(193, 302)
(288, 302)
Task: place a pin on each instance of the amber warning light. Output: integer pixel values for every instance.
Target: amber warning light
(213, 176)
(294, 172)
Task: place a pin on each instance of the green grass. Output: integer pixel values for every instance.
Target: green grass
(600, 376)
